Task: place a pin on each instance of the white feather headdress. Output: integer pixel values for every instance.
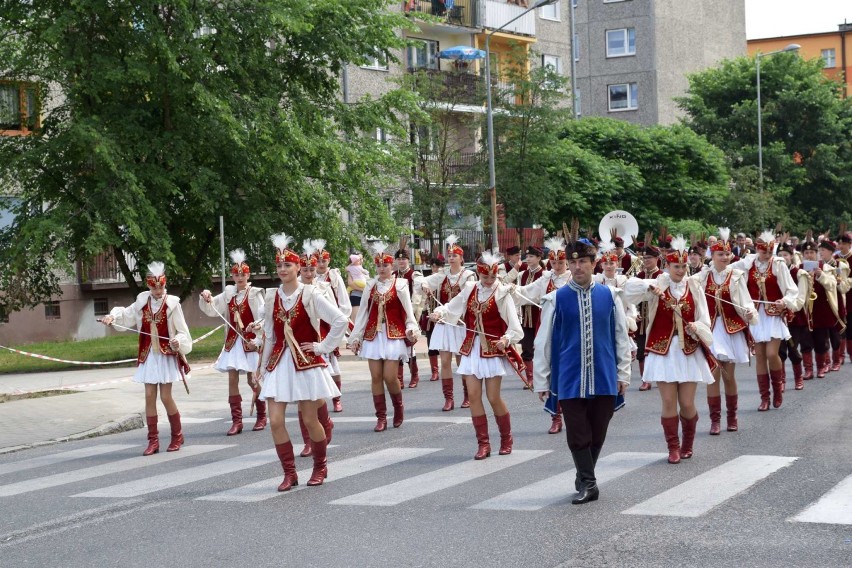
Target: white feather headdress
(309, 247)
(318, 244)
(378, 247)
(606, 246)
(238, 256)
(490, 258)
(680, 244)
(555, 243)
(724, 234)
(156, 269)
(281, 241)
(767, 236)
(451, 240)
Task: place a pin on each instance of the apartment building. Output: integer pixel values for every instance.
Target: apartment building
(632, 56)
(835, 49)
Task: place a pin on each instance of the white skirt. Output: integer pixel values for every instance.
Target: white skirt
(236, 360)
(447, 338)
(727, 347)
(676, 367)
(483, 367)
(769, 327)
(286, 384)
(333, 365)
(157, 369)
(383, 348)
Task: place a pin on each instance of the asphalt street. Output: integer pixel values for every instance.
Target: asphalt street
(776, 493)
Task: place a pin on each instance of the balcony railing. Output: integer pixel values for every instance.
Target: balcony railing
(461, 13)
(457, 87)
(103, 269)
(459, 167)
(498, 12)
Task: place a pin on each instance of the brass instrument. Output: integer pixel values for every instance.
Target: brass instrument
(634, 266)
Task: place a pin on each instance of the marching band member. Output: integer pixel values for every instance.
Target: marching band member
(818, 296)
(293, 366)
(839, 269)
(405, 271)
(382, 328)
(610, 277)
(582, 359)
(332, 277)
(530, 315)
(650, 271)
(844, 252)
(512, 263)
(445, 338)
(678, 336)
(731, 310)
(488, 312)
(532, 294)
(799, 321)
(243, 305)
(772, 288)
(426, 324)
(164, 342)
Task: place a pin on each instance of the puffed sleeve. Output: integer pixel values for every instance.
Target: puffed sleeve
(363, 314)
(179, 327)
(343, 302)
(509, 313)
(788, 287)
(217, 303)
(404, 297)
(541, 354)
(326, 310)
(455, 309)
(622, 338)
(532, 293)
(268, 327)
(636, 290)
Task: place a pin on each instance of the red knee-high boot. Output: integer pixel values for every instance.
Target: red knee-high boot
(236, 404)
(556, 421)
(798, 375)
(731, 401)
(447, 387)
(777, 388)
(177, 433)
(480, 426)
(260, 421)
(153, 436)
(325, 420)
(688, 426)
(415, 372)
(670, 427)
(504, 424)
(320, 471)
(338, 407)
(528, 371)
(763, 387)
(821, 365)
(433, 364)
(398, 413)
(837, 357)
(399, 375)
(381, 407)
(465, 401)
(808, 365)
(306, 437)
(714, 403)
(288, 464)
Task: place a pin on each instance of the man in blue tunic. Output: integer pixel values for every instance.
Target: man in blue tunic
(582, 358)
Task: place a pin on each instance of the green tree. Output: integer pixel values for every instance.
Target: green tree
(160, 116)
(807, 140)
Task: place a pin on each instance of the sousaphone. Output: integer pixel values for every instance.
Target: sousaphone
(622, 222)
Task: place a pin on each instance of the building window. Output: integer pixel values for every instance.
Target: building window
(575, 47)
(19, 111)
(52, 311)
(101, 307)
(552, 61)
(623, 97)
(620, 43)
(376, 61)
(381, 135)
(829, 58)
(427, 138)
(423, 55)
(550, 12)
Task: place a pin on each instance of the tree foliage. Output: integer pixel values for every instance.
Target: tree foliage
(159, 116)
(807, 140)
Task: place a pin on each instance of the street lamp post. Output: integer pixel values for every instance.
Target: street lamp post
(791, 47)
(489, 117)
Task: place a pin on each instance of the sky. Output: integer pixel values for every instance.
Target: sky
(774, 18)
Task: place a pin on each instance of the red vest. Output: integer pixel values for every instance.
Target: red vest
(821, 315)
(240, 315)
(447, 292)
(773, 291)
(492, 324)
(161, 322)
(642, 307)
(297, 319)
(394, 314)
(530, 315)
(732, 320)
(665, 324)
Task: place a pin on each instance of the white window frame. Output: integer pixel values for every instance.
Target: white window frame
(554, 61)
(374, 62)
(632, 97)
(625, 34)
(381, 135)
(550, 12)
(430, 53)
(826, 63)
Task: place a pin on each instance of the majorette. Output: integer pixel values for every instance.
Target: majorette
(404, 270)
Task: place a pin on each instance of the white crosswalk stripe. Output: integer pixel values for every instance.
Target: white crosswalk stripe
(65, 478)
(53, 459)
(710, 489)
(433, 481)
(372, 419)
(266, 489)
(184, 476)
(835, 507)
(559, 488)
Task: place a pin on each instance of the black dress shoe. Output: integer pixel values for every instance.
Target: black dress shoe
(588, 493)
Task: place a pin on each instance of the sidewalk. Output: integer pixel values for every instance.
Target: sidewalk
(105, 401)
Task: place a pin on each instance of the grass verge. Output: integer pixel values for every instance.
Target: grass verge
(114, 348)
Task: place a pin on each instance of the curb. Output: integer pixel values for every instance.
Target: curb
(129, 422)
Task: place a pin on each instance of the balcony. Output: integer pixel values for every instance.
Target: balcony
(456, 167)
(498, 12)
(462, 13)
(102, 271)
(455, 87)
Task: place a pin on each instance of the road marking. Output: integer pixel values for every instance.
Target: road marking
(560, 488)
(266, 489)
(177, 478)
(835, 507)
(710, 489)
(444, 478)
(419, 419)
(104, 469)
(52, 459)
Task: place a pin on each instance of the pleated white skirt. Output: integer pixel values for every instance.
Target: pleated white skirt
(157, 369)
(447, 338)
(727, 347)
(383, 348)
(768, 328)
(483, 367)
(236, 360)
(677, 367)
(286, 384)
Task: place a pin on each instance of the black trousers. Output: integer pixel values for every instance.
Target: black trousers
(586, 421)
(527, 343)
(803, 338)
(834, 338)
(848, 332)
(640, 347)
(820, 338)
(787, 349)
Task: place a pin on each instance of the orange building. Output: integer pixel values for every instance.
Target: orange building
(835, 48)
